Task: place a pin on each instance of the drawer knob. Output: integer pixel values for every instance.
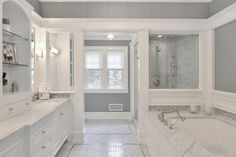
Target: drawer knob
(43, 147)
(27, 104)
(11, 109)
(43, 132)
(61, 114)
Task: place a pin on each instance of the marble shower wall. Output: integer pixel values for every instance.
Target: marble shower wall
(187, 62)
(173, 62)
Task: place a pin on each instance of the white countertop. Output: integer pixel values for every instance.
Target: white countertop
(39, 111)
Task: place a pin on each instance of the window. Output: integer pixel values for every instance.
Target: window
(115, 66)
(93, 70)
(72, 81)
(106, 69)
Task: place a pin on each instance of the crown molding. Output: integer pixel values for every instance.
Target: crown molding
(143, 1)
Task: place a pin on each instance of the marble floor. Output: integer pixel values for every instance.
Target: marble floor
(107, 138)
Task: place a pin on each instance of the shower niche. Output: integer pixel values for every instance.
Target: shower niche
(173, 61)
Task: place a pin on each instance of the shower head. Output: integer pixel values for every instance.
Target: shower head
(158, 49)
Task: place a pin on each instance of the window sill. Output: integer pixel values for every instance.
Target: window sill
(106, 91)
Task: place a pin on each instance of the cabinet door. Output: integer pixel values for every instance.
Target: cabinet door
(64, 121)
(15, 150)
(56, 129)
(60, 127)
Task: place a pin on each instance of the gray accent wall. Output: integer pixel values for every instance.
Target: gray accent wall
(36, 4)
(217, 5)
(125, 10)
(99, 102)
(129, 10)
(225, 58)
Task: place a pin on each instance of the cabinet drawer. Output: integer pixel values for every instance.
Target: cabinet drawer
(41, 134)
(12, 109)
(44, 147)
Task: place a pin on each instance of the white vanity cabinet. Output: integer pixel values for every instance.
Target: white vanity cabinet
(49, 134)
(60, 127)
(15, 145)
(41, 134)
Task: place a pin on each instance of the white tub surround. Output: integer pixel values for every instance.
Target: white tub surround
(191, 138)
(43, 129)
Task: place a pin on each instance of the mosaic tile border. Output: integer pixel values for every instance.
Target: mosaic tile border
(217, 112)
(223, 113)
(59, 95)
(169, 108)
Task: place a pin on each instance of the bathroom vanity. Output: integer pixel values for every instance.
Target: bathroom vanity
(43, 129)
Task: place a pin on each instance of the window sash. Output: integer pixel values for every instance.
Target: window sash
(122, 79)
(99, 84)
(104, 52)
(93, 60)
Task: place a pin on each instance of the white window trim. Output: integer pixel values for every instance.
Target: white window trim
(104, 88)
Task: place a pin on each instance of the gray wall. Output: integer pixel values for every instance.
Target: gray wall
(125, 10)
(129, 10)
(99, 102)
(225, 58)
(36, 4)
(217, 5)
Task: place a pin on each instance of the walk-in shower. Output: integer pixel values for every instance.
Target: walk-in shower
(173, 61)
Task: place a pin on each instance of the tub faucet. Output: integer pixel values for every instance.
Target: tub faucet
(179, 117)
(162, 115)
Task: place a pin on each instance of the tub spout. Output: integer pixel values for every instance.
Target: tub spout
(179, 117)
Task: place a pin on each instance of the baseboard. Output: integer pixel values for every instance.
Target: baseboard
(76, 137)
(108, 115)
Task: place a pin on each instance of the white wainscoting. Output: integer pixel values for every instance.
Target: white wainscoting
(174, 97)
(108, 115)
(224, 100)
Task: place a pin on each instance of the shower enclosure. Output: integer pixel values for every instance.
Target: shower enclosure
(173, 61)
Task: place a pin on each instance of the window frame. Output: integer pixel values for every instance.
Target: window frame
(105, 71)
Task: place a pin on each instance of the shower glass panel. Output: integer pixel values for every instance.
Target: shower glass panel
(173, 61)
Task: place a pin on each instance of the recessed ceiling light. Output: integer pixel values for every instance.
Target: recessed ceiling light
(160, 36)
(110, 36)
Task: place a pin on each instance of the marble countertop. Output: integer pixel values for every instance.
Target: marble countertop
(39, 110)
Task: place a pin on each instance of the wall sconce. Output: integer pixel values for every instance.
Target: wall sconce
(53, 50)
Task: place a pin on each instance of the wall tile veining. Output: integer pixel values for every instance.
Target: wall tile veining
(174, 62)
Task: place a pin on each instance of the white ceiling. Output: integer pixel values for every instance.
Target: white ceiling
(102, 35)
(162, 1)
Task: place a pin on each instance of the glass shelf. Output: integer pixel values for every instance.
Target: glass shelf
(15, 64)
(13, 35)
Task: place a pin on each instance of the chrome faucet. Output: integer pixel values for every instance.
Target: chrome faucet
(179, 117)
(162, 115)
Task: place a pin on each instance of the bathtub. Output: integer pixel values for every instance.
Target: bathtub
(207, 135)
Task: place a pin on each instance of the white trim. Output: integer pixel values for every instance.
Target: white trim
(219, 99)
(158, 1)
(106, 91)
(108, 115)
(224, 100)
(174, 97)
(99, 24)
(131, 71)
(223, 17)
